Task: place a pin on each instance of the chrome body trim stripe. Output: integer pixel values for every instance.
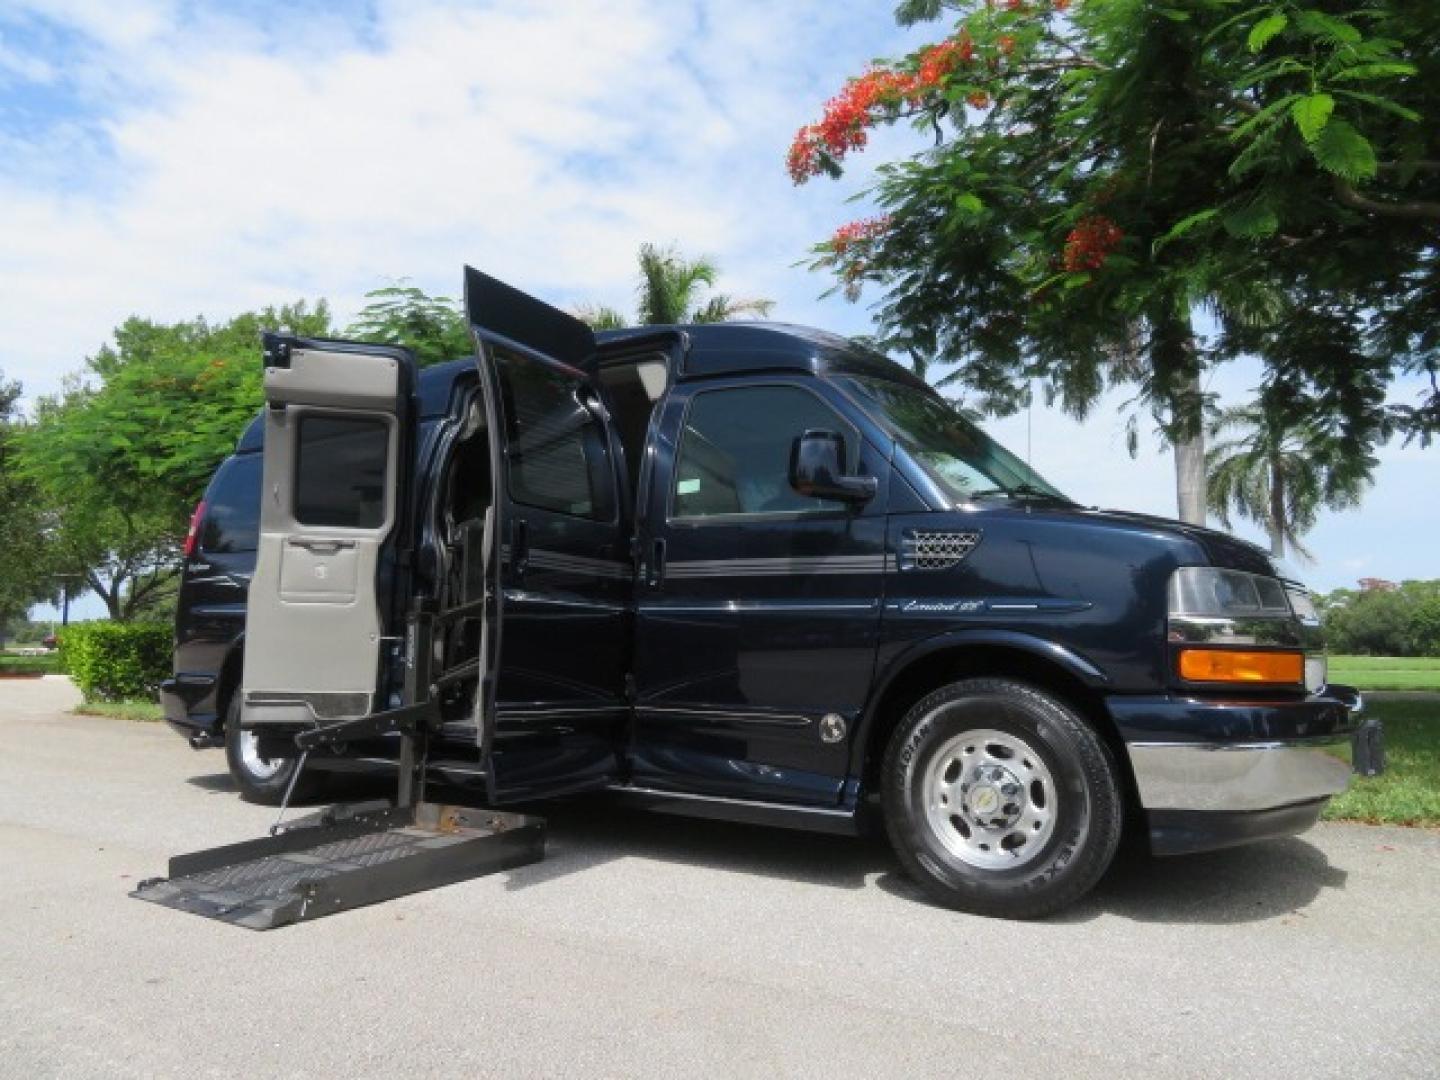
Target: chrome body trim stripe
(546, 713)
(722, 800)
(1239, 776)
(786, 566)
(542, 559)
(699, 712)
(777, 606)
(520, 596)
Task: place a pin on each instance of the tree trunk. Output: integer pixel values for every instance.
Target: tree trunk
(1276, 525)
(110, 595)
(1190, 477)
(1175, 363)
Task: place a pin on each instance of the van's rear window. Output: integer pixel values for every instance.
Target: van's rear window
(232, 507)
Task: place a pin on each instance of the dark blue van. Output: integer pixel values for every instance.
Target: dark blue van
(745, 571)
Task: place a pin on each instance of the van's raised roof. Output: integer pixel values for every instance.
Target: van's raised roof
(715, 349)
(732, 348)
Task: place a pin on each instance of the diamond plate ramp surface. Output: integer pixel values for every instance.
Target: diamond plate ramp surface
(346, 857)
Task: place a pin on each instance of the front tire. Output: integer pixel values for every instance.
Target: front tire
(260, 779)
(1000, 799)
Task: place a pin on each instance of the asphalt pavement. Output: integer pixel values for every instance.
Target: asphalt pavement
(652, 945)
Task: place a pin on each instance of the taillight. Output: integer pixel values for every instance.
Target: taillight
(193, 534)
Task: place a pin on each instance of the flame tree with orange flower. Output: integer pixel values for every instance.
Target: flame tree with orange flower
(1095, 175)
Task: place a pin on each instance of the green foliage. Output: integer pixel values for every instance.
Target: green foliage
(431, 327)
(1386, 672)
(118, 460)
(49, 664)
(1399, 622)
(112, 661)
(670, 292)
(1408, 792)
(137, 712)
(1281, 476)
(26, 562)
(1276, 165)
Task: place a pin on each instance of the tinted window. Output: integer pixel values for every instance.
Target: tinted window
(735, 451)
(340, 471)
(232, 507)
(964, 461)
(556, 445)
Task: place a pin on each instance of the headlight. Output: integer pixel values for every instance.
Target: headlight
(1230, 627)
(1210, 593)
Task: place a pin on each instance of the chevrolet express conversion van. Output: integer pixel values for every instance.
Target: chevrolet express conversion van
(745, 571)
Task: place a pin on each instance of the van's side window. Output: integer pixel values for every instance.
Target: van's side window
(340, 466)
(232, 508)
(735, 451)
(555, 444)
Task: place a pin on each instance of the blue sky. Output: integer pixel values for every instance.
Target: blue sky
(167, 159)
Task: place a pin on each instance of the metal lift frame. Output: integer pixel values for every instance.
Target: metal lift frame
(352, 855)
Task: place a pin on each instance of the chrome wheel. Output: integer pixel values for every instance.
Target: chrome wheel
(261, 768)
(990, 799)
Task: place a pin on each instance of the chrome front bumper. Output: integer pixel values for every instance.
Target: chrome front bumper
(1238, 757)
(1239, 776)
(1211, 774)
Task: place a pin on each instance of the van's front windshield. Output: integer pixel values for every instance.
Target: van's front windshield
(965, 463)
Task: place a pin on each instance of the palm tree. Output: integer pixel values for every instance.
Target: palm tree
(669, 292)
(1279, 476)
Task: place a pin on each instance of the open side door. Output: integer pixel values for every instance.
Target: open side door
(335, 490)
(552, 708)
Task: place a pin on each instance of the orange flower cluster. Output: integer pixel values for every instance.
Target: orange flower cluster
(858, 232)
(1090, 243)
(842, 126)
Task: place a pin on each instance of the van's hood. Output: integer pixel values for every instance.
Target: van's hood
(1220, 548)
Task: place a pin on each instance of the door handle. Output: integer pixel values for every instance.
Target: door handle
(320, 547)
(657, 563)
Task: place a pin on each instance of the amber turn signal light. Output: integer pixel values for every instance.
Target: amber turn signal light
(1235, 666)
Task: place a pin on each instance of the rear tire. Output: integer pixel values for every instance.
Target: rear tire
(260, 780)
(1000, 799)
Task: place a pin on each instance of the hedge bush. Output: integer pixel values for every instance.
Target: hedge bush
(112, 661)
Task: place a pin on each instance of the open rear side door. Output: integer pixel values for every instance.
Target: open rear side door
(338, 422)
(553, 708)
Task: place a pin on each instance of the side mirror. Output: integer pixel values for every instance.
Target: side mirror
(817, 469)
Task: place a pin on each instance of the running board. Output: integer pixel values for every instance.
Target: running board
(836, 820)
(345, 857)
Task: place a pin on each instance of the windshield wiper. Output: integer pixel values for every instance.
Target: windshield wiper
(1019, 491)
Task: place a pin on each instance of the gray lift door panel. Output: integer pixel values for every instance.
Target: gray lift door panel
(332, 461)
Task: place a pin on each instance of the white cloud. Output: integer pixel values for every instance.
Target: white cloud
(541, 142)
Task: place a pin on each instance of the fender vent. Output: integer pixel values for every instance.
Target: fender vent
(925, 550)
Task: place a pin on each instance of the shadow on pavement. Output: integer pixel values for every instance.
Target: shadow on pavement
(586, 833)
(1246, 884)
(1261, 881)
(1249, 884)
(215, 783)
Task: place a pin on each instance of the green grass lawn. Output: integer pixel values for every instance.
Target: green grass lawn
(48, 664)
(1387, 672)
(145, 711)
(1409, 791)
